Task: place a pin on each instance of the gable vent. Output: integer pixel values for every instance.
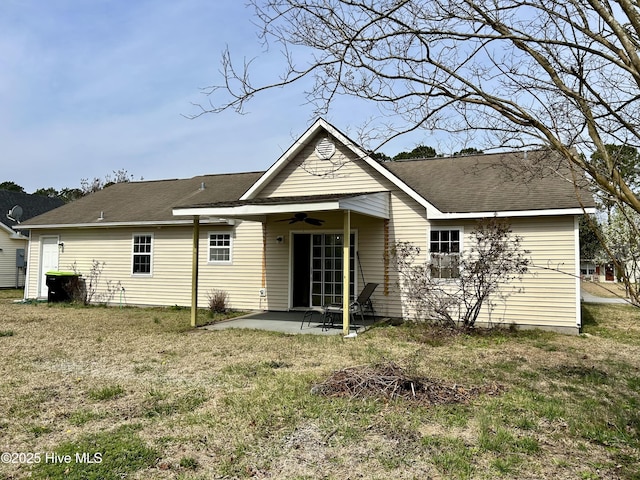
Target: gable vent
(325, 148)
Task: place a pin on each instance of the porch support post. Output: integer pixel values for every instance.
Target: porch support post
(346, 247)
(194, 271)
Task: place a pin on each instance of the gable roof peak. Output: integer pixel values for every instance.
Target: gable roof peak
(319, 125)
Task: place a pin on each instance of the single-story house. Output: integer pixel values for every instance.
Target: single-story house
(595, 271)
(273, 240)
(16, 207)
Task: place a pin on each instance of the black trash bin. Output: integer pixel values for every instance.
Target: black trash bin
(61, 285)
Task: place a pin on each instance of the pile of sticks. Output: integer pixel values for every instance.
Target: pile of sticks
(390, 381)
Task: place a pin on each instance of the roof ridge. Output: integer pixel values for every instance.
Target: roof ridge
(186, 179)
(474, 155)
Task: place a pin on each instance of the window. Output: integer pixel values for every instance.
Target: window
(444, 246)
(142, 254)
(587, 268)
(220, 248)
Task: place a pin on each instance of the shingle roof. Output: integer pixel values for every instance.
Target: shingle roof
(32, 205)
(149, 201)
(479, 183)
(494, 182)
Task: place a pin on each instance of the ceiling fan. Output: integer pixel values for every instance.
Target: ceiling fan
(303, 217)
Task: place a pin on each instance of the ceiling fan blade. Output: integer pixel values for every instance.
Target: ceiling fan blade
(314, 221)
(302, 217)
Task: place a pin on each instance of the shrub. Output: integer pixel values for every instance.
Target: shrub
(217, 301)
(486, 274)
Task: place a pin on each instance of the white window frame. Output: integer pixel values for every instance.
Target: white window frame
(211, 247)
(449, 228)
(134, 253)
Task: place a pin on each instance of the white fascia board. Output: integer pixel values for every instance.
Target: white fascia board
(513, 213)
(223, 221)
(358, 204)
(7, 229)
(372, 204)
(253, 210)
(283, 160)
(304, 139)
(431, 209)
(13, 234)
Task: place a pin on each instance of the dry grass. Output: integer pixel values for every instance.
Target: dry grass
(238, 404)
(604, 289)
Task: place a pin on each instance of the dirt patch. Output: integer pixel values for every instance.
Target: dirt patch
(390, 381)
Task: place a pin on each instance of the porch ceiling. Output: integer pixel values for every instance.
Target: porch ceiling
(374, 204)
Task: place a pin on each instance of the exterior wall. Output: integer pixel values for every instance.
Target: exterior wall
(242, 278)
(550, 290)
(307, 175)
(170, 282)
(344, 173)
(548, 300)
(369, 245)
(8, 247)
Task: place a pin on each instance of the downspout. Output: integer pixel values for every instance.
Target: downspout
(346, 247)
(194, 271)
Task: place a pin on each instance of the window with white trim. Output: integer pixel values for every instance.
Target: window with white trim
(444, 247)
(220, 245)
(142, 254)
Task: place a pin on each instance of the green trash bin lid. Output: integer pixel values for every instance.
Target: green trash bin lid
(57, 273)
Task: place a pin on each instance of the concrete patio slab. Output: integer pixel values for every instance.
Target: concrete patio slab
(285, 322)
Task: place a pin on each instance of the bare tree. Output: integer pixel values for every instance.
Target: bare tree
(484, 275)
(90, 186)
(563, 74)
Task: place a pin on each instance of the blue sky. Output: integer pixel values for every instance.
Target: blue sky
(88, 87)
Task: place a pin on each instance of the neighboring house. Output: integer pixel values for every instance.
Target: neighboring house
(16, 207)
(594, 271)
(273, 240)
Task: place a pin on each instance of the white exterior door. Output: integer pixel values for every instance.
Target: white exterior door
(48, 261)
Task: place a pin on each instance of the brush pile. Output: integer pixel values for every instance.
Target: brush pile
(390, 381)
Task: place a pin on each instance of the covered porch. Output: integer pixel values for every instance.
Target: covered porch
(291, 322)
(310, 249)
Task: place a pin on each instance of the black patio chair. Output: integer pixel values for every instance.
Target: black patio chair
(358, 307)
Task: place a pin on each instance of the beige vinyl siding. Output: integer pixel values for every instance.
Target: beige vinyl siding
(242, 278)
(8, 247)
(170, 281)
(369, 245)
(33, 265)
(277, 262)
(353, 176)
(343, 173)
(548, 297)
(550, 292)
(408, 224)
(371, 251)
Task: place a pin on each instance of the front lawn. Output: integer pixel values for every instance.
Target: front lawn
(136, 393)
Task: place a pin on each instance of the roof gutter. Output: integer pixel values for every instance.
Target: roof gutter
(435, 215)
(168, 223)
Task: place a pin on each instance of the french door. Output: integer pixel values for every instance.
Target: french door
(317, 269)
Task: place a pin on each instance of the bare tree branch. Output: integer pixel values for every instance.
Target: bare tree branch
(563, 74)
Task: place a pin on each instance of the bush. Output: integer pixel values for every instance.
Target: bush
(217, 301)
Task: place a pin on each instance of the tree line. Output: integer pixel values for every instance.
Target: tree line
(73, 193)
(89, 186)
